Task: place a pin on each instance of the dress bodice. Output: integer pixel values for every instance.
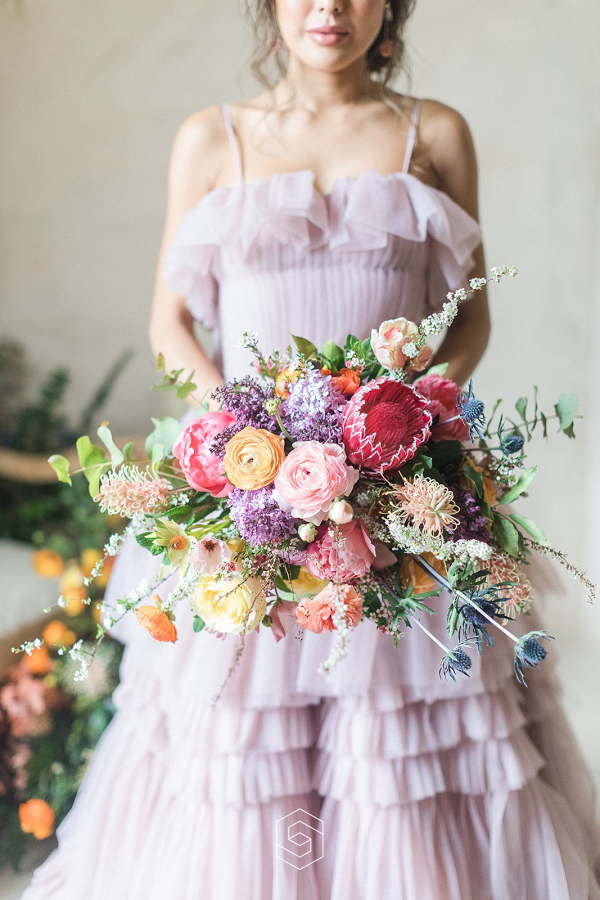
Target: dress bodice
(276, 256)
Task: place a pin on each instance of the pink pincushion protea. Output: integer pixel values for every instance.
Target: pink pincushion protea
(385, 423)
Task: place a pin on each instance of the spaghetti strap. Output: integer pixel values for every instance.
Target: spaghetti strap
(232, 141)
(412, 134)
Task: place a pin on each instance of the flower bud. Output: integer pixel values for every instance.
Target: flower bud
(341, 512)
(307, 532)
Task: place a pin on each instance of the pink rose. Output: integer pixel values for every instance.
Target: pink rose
(202, 469)
(387, 343)
(310, 477)
(316, 613)
(341, 552)
(441, 395)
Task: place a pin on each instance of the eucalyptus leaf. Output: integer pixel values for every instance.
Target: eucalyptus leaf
(198, 624)
(61, 466)
(521, 485)
(104, 433)
(184, 390)
(128, 450)
(566, 409)
(160, 363)
(92, 459)
(166, 430)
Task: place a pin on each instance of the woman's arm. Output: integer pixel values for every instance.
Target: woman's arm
(450, 148)
(192, 172)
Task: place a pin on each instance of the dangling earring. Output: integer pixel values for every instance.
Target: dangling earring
(386, 47)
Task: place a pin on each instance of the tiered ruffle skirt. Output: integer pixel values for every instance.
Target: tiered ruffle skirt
(426, 789)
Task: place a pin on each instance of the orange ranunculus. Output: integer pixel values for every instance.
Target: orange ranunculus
(421, 580)
(156, 623)
(36, 818)
(39, 662)
(347, 381)
(283, 381)
(253, 457)
(89, 558)
(57, 634)
(48, 563)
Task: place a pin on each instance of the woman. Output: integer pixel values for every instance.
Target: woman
(322, 207)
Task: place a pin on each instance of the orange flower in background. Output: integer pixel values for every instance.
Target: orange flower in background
(89, 558)
(421, 580)
(39, 662)
(72, 580)
(347, 381)
(283, 381)
(57, 634)
(48, 563)
(157, 623)
(97, 611)
(36, 818)
(253, 457)
(101, 580)
(75, 605)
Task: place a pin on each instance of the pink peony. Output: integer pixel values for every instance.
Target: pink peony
(202, 469)
(341, 552)
(316, 613)
(310, 477)
(387, 343)
(441, 394)
(385, 423)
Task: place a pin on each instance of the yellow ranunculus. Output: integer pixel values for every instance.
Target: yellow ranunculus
(307, 585)
(230, 605)
(253, 457)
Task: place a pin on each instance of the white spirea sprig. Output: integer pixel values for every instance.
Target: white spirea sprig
(28, 646)
(185, 588)
(436, 322)
(340, 648)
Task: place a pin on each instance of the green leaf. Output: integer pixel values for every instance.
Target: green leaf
(521, 485)
(305, 347)
(507, 534)
(105, 435)
(160, 363)
(61, 465)
(535, 407)
(565, 409)
(476, 478)
(184, 390)
(530, 527)
(166, 430)
(93, 461)
(127, 450)
(199, 624)
(439, 369)
(146, 541)
(521, 407)
(544, 424)
(334, 355)
(158, 452)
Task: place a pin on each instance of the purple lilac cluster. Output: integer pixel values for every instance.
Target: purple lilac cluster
(472, 526)
(313, 410)
(258, 516)
(245, 398)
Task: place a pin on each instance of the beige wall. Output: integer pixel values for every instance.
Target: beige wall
(92, 94)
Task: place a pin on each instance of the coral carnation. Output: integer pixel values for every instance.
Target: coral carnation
(316, 613)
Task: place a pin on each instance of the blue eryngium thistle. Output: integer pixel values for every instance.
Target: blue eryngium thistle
(529, 652)
(471, 411)
(456, 660)
(512, 443)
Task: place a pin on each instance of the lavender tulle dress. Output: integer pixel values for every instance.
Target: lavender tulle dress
(427, 790)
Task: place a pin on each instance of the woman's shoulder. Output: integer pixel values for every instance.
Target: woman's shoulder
(198, 151)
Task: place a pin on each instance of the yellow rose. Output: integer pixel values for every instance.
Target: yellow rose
(253, 457)
(230, 605)
(307, 585)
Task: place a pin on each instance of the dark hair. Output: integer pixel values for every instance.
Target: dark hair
(266, 33)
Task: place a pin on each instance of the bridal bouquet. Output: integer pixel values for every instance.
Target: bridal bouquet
(335, 485)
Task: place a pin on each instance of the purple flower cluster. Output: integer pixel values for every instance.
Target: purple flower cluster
(472, 525)
(245, 398)
(258, 516)
(313, 410)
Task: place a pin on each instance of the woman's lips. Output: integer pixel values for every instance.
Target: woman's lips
(328, 38)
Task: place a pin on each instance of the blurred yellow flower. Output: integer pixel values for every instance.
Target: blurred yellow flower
(48, 564)
(56, 634)
(89, 557)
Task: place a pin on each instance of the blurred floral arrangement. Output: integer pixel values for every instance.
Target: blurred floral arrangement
(40, 426)
(50, 722)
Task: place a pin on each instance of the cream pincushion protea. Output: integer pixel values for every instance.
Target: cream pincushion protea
(385, 423)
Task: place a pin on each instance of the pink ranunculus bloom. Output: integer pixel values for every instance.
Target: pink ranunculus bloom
(341, 552)
(441, 394)
(316, 613)
(201, 468)
(389, 339)
(310, 477)
(209, 554)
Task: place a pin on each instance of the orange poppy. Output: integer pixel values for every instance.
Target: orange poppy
(157, 623)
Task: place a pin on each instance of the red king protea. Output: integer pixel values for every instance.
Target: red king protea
(384, 424)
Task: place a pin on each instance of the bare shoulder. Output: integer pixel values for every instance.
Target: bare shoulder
(446, 139)
(197, 153)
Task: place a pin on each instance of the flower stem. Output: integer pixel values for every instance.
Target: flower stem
(446, 584)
